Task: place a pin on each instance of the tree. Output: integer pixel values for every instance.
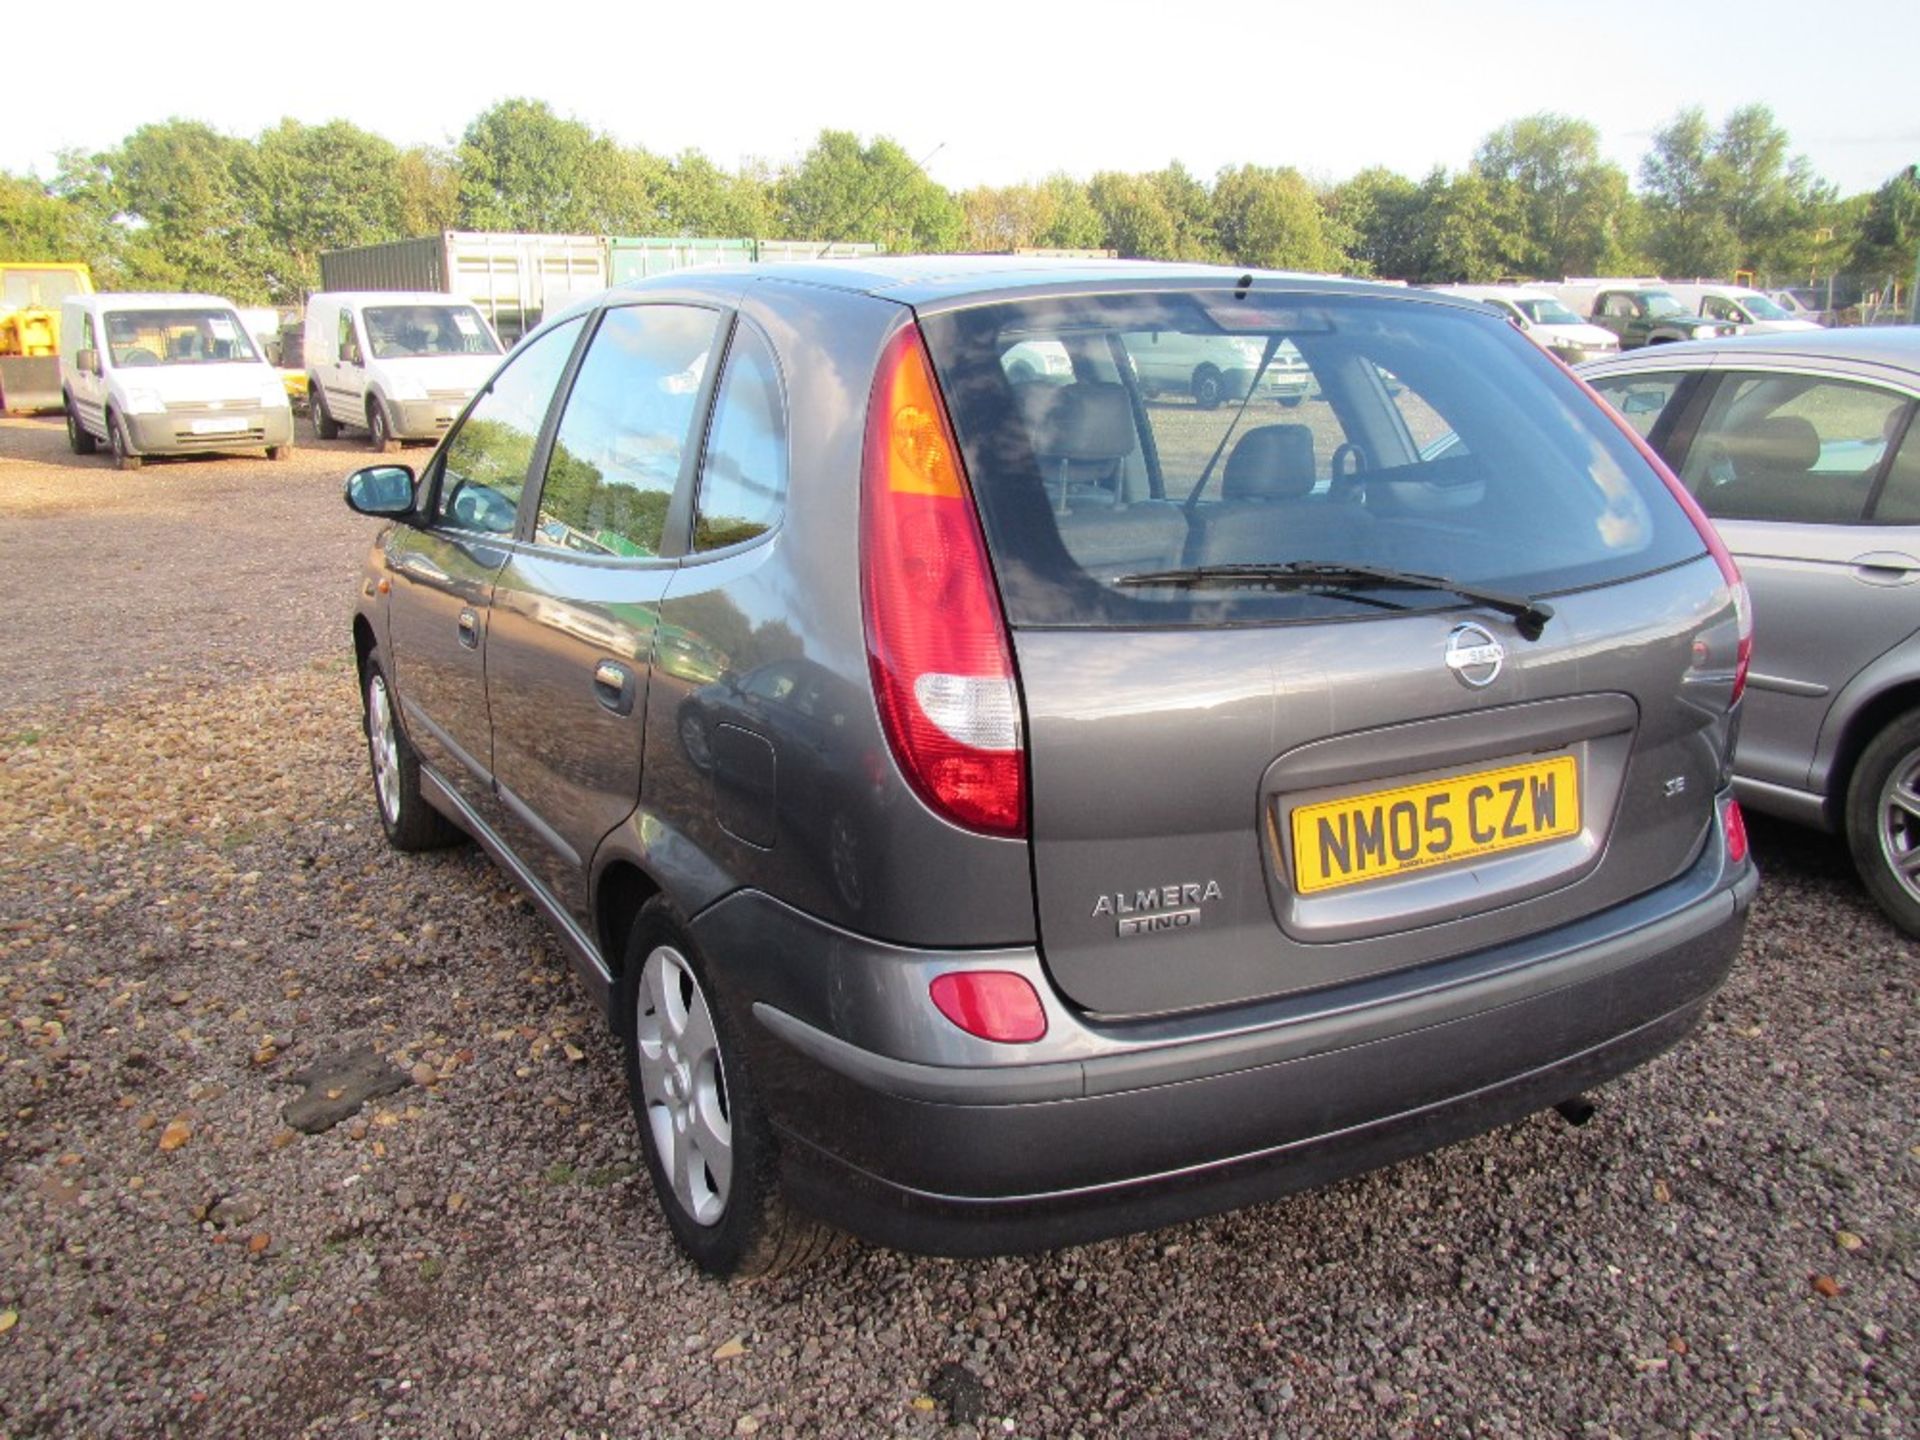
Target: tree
(429, 191)
(1574, 208)
(36, 224)
(1133, 218)
(699, 198)
(322, 187)
(522, 167)
(188, 201)
(1055, 213)
(1272, 219)
(842, 190)
(1731, 200)
(1888, 242)
(1380, 217)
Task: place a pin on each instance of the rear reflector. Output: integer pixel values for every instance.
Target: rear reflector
(936, 641)
(992, 1004)
(1735, 825)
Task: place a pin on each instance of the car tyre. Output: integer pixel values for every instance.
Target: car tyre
(325, 427)
(411, 824)
(121, 448)
(79, 439)
(1883, 820)
(1209, 387)
(380, 429)
(706, 1138)
(280, 452)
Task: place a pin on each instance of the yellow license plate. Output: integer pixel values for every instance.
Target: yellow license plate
(1391, 832)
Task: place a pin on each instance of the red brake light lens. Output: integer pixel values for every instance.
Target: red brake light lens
(936, 641)
(992, 1004)
(1735, 825)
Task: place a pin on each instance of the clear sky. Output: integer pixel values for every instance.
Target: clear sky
(1009, 91)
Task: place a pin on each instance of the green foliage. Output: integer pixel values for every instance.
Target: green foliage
(1272, 219)
(322, 187)
(187, 195)
(1056, 213)
(842, 190)
(522, 167)
(699, 198)
(36, 224)
(1728, 200)
(1889, 228)
(1572, 211)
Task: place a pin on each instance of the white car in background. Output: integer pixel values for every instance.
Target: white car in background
(1543, 320)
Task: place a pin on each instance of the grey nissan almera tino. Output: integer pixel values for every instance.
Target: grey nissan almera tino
(999, 808)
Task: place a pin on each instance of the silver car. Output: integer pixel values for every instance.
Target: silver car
(1803, 450)
(994, 810)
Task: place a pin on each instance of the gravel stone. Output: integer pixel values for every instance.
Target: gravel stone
(192, 878)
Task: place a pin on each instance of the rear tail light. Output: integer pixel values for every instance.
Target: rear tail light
(936, 642)
(1735, 825)
(1730, 572)
(992, 1004)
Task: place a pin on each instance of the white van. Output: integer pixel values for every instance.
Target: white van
(399, 364)
(166, 375)
(1543, 319)
(1752, 311)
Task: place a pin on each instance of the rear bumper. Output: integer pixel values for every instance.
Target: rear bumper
(1189, 1117)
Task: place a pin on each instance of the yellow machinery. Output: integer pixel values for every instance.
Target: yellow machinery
(30, 296)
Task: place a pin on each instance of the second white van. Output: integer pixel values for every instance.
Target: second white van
(400, 365)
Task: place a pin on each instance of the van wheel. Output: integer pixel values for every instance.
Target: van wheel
(380, 429)
(1883, 821)
(1209, 387)
(280, 452)
(325, 427)
(706, 1139)
(79, 439)
(119, 445)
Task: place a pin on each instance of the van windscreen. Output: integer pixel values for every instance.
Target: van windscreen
(178, 337)
(397, 332)
(1114, 438)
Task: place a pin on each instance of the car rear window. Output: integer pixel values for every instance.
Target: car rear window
(1111, 437)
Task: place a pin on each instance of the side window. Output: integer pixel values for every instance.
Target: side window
(617, 456)
(1899, 503)
(1619, 306)
(485, 468)
(347, 351)
(1641, 398)
(743, 481)
(1791, 447)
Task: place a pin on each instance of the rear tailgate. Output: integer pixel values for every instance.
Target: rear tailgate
(1230, 814)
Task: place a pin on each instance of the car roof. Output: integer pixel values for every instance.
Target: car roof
(151, 300)
(1896, 346)
(937, 279)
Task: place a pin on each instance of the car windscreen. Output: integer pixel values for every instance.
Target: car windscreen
(398, 332)
(1431, 439)
(1548, 312)
(178, 337)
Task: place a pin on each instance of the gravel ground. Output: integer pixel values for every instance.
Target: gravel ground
(197, 905)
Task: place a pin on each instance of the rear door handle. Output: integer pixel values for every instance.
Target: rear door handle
(613, 686)
(469, 628)
(1884, 567)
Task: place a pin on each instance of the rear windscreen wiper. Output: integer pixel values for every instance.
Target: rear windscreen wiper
(1530, 616)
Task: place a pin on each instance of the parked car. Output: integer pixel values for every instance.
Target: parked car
(1542, 319)
(999, 814)
(1747, 310)
(151, 374)
(1214, 369)
(1803, 449)
(400, 365)
(1638, 312)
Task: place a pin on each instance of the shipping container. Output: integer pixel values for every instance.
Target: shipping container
(513, 279)
(635, 257)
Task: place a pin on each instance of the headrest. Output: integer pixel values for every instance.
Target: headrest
(1780, 442)
(1087, 420)
(1270, 462)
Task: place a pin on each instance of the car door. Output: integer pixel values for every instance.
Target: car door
(443, 570)
(1790, 466)
(570, 648)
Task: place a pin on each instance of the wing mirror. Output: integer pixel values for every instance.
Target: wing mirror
(383, 491)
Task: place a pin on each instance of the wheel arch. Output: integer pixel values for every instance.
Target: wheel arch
(1864, 721)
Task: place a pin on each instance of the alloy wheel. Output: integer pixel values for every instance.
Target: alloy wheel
(684, 1084)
